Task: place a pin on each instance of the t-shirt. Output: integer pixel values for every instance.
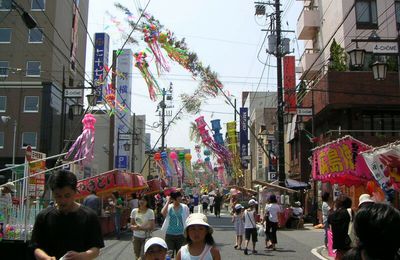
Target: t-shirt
(57, 233)
(249, 220)
(297, 212)
(205, 199)
(140, 219)
(325, 211)
(211, 200)
(273, 209)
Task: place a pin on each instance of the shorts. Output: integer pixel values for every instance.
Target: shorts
(252, 232)
(205, 205)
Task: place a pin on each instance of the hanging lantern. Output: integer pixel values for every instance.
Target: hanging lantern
(357, 57)
(379, 70)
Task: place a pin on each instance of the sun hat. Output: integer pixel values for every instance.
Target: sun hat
(238, 206)
(364, 198)
(197, 219)
(10, 186)
(155, 241)
(297, 203)
(252, 202)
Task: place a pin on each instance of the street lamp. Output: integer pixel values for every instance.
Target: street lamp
(357, 57)
(379, 70)
(5, 119)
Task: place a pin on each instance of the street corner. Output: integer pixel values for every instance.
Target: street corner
(322, 253)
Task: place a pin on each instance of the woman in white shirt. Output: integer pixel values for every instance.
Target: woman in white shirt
(272, 211)
(142, 223)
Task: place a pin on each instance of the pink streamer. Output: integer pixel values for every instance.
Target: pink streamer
(84, 144)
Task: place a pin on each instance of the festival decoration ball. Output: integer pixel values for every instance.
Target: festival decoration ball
(207, 152)
(188, 157)
(219, 160)
(181, 156)
(173, 156)
(157, 156)
(207, 159)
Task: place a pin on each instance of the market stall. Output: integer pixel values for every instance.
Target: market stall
(282, 194)
(340, 162)
(106, 183)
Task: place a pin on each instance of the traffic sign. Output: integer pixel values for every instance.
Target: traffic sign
(304, 111)
(385, 47)
(121, 162)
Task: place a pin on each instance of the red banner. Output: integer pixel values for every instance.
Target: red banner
(289, 83)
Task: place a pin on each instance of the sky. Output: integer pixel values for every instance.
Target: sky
(225, 34)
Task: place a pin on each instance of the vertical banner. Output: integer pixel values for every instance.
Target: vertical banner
(74, 34)
(123, 100)
(244, 142)
(100, 60)
(289, 83)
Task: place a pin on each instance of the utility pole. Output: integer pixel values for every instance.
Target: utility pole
(133, 142)
(281, 148)
(163, 106)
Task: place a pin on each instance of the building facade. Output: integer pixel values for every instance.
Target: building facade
(35, 66)
(344, 97)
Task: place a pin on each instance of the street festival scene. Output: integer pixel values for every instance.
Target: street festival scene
(153, 129)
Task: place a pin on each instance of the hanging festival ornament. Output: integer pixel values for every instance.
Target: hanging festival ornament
(143, 66)
(83, 147)
(151, 34)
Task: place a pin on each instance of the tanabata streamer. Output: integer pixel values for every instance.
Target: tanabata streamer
(83, 147)
(143, 67)
(151, 34)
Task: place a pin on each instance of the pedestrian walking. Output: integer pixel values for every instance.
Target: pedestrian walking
(116, 205)
(175, 214)
(69, 229)
(326, 210)
(272, 210)
(205, 201)
(142, 224)
(250, 227)
(211, 199)
(155, 249)
(339, 222)
(217, 204)
(93, 201)
(200, 243)
(133, 203)
(238, 223)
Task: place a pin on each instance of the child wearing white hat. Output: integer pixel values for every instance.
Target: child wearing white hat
(200, 243)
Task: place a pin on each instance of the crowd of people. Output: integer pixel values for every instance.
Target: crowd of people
(370, 233)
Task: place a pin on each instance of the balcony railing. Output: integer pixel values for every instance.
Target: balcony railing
(308, 23)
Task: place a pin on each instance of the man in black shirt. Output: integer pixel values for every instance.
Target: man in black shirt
(68, 229)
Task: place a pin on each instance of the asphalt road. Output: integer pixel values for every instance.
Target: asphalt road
(292, 244)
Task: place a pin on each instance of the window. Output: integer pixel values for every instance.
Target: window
(35, 35)
(38, 5)
(5, 5)
(366, 14)
(3, 68)
(397, 4)
(1, 140)
(31, 104)
(29, 138)
(3, 103)
(33, 69)
(5, 35)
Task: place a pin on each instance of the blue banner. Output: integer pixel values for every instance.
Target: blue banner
(244, 141)
(100, 60)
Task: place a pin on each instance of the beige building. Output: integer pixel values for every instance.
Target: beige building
(35, 65)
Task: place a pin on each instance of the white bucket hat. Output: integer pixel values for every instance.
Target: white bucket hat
(155, 241)
(252, 202)
(10, 186)
(197, 219)
(238, 206)
(364, 198)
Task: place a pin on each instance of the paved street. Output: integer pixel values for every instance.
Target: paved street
(292, 244)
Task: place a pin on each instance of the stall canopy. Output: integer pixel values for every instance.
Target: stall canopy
(242, 189)
(340, 162)
(106, 183)
(384, 163)
(274, 186)
(296, 185)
